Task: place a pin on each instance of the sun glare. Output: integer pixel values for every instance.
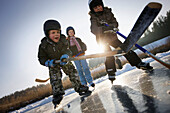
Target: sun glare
(100, 48)
(95, 48)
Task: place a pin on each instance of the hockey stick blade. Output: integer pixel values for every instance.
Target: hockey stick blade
(145, 19)
(39, 80)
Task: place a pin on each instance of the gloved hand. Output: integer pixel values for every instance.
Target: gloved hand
(107, 28)
(50, 63)
(109, 31)
(113, 30)
(63, 57)
(102, 22)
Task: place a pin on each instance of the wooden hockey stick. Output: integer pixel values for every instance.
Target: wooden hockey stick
(98, 55)
(105, 54)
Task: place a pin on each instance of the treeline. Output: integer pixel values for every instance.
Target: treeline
(159, 30)
(22, 98)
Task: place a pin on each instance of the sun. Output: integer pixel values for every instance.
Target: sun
(94, 48)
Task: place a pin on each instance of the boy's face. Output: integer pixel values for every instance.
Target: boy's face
(71, 33)
(98, 8)
(54, 35)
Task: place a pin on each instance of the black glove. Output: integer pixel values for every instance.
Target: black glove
(110, 29)
(107, 28)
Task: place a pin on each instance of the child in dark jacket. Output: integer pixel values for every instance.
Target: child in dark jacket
(99, 14)
(78, 48)
(55, 47)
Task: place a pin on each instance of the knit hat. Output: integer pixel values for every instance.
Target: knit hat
(94, 3)
(51, 25)
(69, 28)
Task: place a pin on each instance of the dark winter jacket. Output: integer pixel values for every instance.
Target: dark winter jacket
(49, 50)
(74, 49)
(98, 29)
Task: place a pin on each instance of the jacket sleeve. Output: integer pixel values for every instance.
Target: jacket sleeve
(84, 47)
(95, 29)
(82, 44)
(42, 55)
(114, 22)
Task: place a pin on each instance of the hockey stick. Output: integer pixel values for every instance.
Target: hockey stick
(146, 17)
(141, 48)
(147, 52)
(105, 54)
(98, 55)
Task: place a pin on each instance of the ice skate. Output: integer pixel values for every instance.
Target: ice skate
(145, 66)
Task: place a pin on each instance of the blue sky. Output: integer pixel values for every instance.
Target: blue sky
(21, 30)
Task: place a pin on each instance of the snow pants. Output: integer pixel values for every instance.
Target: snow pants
(131, 56)
(84, 72)
(56, 78)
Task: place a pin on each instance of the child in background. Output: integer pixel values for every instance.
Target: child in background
(99, 14)
(78, 48)
(54, 47)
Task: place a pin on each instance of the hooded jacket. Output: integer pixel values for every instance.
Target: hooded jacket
(98, 29)
(49, 50)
